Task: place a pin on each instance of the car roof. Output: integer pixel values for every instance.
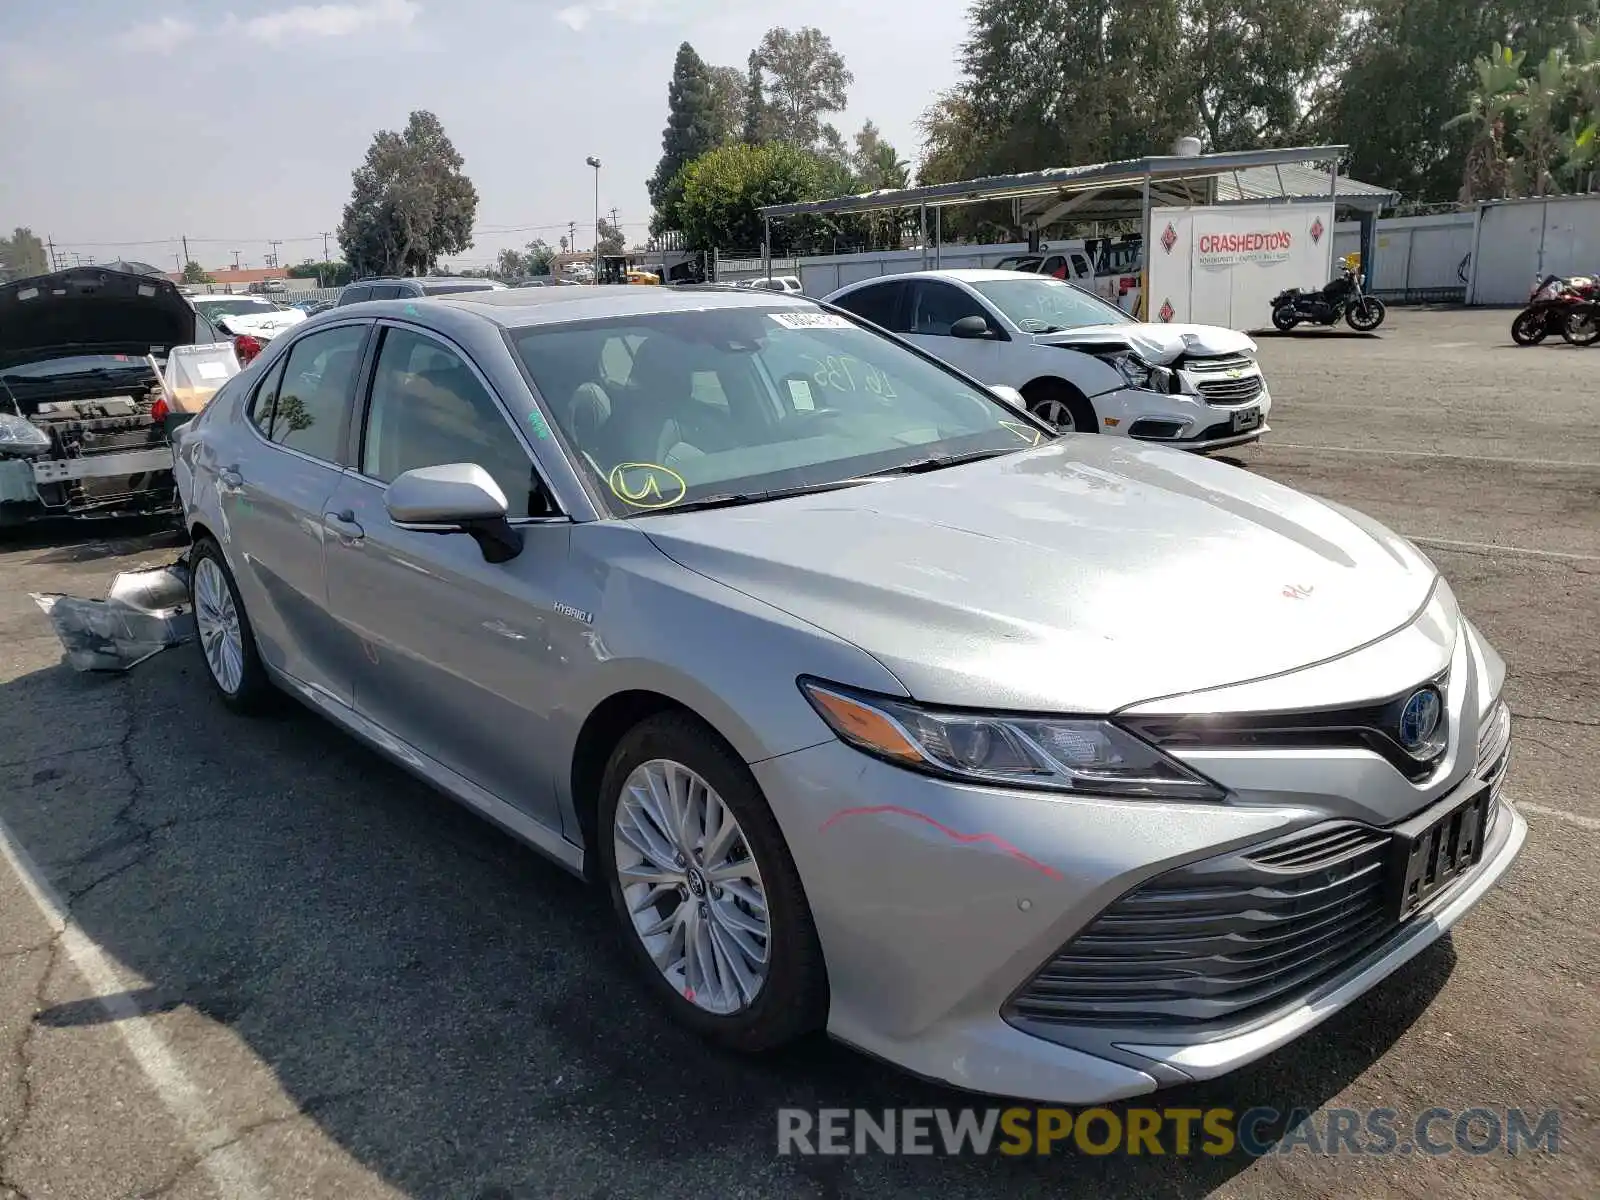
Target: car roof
(514, 308)
(958, 275)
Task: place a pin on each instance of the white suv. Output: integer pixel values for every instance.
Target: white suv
(1079, 362)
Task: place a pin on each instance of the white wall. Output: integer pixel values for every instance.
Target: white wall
(1429, 253)
(1223, 265)
(1518, 241)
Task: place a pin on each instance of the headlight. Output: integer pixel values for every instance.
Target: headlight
(1142, 375)
(1066, 755)
(20, 438)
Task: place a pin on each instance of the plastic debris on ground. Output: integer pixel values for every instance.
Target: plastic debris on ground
(143, 613)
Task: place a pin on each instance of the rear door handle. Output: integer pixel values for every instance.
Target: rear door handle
(345, 525)
(230, 477)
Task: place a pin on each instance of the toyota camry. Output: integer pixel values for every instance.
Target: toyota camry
(853, 685)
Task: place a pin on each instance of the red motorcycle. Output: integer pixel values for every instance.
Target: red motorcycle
(1554, 299)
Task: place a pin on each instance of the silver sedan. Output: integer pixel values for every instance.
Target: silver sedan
(1060, 767)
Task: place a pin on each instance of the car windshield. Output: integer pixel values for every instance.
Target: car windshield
(1040, 304)
(740, 403)
(233, 306)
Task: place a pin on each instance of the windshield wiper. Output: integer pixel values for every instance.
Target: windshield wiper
(940, 461)
(734, 499)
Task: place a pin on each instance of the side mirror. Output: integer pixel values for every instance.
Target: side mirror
(971, 327)
(1011, 396)
(455, 498)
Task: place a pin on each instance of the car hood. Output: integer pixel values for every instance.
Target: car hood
(90, 310)
(1156, 344)
(1082, 576)
(265, 326)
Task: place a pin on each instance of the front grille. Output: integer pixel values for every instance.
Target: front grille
(1230, 391)
(1219, 940)
(1220, 362)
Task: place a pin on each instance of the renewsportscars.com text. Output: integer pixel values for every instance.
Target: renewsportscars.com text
(1159, 1131)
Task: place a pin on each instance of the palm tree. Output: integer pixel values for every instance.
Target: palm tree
(1487, 106)
(1536, 102)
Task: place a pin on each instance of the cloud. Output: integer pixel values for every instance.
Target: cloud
(159, 36)
(578, 16)
(331, 20)
(575, 17)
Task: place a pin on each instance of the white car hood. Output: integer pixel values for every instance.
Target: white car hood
(1156, 344)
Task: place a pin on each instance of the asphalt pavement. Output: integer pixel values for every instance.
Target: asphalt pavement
(292, 971)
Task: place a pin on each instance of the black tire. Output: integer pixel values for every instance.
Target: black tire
(1284, 318)
(1047, 399)
(1530, 328)
(793, 1000)
(1366, 315)
(1582, 326)
(255, 693)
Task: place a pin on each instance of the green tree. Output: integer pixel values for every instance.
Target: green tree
(804, 79)
(611, 239)
(509, 265)
(723, 190)
(538, 256)
(193, 272)
(1537, 103)
(22, 254)
(1407, 69)
(411, 203)
(1488, 105)
(691, 131)
(753, 127)
(726, 87)
(876, 162)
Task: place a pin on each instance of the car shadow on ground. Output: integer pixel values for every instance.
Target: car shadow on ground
(451, 1009)
(1318, 331)
(76, 541)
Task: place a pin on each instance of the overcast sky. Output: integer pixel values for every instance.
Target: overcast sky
(240, 122)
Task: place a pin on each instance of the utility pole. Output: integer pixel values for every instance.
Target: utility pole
(272, 255)
(51, 243)
(595, 163)
(185, 250)
(235, 260)
(325, 246)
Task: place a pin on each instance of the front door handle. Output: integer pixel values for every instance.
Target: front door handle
(345, 525)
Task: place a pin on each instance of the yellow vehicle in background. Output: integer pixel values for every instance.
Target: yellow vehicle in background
(639, 275)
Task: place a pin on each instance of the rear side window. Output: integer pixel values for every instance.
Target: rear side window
(386, 291)
(355, 294)
(878, 303)
(319, 377)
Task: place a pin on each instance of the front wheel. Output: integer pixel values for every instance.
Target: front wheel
(1061, 405)
(1284, 317)
(710, 903)
(1582, 327)
(1529, 329)
(1366, 314)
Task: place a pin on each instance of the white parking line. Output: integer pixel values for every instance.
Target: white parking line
(1489, 458)
(1558, 814)
(1491, 548)
(230, 1165)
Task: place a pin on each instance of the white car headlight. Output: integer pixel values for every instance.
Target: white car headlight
(1087, 756)
(20, 438)
(1143, 375)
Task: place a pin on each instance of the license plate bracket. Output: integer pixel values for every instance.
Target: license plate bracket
(1246, 418)
(1434, 849)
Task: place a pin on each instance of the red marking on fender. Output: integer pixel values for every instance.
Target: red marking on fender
(1298, 591)
(967, 839)
(688, 993)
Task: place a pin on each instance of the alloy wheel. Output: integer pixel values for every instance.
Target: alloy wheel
(691, 887)
(216, 619)
(1057, 413)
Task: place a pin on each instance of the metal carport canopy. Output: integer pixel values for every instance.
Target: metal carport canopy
(1132, 173)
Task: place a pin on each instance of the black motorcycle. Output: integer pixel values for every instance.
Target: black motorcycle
(1343, 297)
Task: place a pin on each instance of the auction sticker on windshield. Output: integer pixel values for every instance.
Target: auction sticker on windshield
(810, 320)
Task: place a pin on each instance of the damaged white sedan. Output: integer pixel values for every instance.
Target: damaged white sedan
(84, 403)
(1080, 363)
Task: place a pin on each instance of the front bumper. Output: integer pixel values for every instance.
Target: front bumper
(1184, 420)
(938, 903)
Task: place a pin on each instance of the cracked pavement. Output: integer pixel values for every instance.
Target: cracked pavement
(372, 993)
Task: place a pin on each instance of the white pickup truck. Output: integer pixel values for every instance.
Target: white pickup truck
(1108, 267)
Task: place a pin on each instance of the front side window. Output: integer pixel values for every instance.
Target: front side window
(749, 400)
(937, 306)
(319, 375)
(429, 408)
(355, 293)
(1044, 305)
(265, 403)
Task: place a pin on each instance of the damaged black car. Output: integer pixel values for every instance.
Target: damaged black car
(83, 407)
